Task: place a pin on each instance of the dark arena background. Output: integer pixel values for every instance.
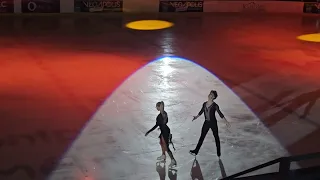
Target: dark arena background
(80, 79)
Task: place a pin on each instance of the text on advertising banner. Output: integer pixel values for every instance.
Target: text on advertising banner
(98, 5)
(6, 6)
(253, 7)
(40, 6)
(181, 6)
(311, 8)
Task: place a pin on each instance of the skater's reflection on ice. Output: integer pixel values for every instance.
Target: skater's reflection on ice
(161, 169)
(223, 171)
(196, 173)
(172, 173)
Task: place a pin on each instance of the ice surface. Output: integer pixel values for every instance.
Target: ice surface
(113, 146)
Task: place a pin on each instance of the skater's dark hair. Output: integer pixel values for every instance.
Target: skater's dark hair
(214, 93)
(159, 104)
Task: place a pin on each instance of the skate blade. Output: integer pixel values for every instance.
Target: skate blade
(161, 161)
(173, 167)
(193, 154)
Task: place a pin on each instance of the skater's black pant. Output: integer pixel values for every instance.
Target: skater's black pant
(205, 128)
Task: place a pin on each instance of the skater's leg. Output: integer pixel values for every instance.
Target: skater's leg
(166, 141)
(170, 154)
(163, 149)
(163, 146)
(170, 141)
(204, 131)
(215, 132)
(166, 144)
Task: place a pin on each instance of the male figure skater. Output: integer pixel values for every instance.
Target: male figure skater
(209, 109)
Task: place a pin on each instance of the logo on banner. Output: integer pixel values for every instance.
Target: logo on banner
(40, 6)
(3, 4)
(32, 6)
(98, 5)
(6, 6)
(253, 7)
(181, 6)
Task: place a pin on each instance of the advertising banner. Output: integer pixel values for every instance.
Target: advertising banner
(311, 8)
(253, 7)
(98, 5)
(6, 6)
(40, 6)
(181, 6)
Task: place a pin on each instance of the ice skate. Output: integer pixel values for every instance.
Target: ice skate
(162, 158)
(173, 164)
(193, 152)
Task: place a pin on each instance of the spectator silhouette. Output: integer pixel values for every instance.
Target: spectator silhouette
(309, 98)
(274, 101)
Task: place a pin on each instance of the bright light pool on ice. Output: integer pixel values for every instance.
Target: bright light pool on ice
(113, 146)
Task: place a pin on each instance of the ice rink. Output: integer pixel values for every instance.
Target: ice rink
(78, 94)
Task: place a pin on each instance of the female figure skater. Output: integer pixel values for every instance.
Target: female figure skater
(209, 109)
(162, 120)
